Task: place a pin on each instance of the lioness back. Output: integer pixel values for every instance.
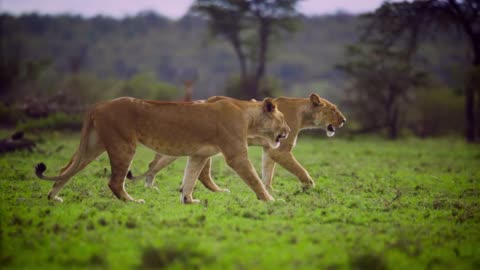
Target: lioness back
(168, 127)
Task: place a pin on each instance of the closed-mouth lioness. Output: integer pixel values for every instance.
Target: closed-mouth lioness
(300, 113)
(174, 129)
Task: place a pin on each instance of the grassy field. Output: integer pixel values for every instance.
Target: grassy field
(411, 204)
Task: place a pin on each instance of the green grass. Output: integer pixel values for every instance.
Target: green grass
(411, 204)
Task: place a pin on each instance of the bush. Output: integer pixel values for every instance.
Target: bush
(146, 86)
(10, 117)
(57, 121)
(437, 112)
(269, 87)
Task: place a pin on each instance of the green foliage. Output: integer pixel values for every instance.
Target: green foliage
(147, 87)
(268, 87)
(9, 117)
(411, 204)
(436, 112)
(382, 80)
(86, 88)
(121, 48)
(407, 23)
(56, 121)
(249, 27)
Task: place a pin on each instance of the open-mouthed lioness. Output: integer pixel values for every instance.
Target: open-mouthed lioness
(174, 129)
(300, 113)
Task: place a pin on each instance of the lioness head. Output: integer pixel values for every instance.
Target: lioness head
(325, 115)
(272, 123)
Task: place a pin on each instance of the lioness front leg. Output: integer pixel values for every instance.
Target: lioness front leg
(205, 178)
(288, 161)
(192, 171)
(240, 163)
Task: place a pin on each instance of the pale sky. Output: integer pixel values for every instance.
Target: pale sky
(173, 9)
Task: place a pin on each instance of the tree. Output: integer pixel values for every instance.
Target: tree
(408, 22)
(236, 19)
(227, 18)
(382, 82)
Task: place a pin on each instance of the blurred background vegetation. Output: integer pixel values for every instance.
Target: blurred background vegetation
(405, 69)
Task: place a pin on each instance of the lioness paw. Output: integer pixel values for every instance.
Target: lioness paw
(270, 189)
(266, 198)
(188, 200)
(142, 201)
(192, 201)
(308, 185)
(56, 199)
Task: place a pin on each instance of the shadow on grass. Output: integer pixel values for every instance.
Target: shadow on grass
(181, 256)
(368, 261)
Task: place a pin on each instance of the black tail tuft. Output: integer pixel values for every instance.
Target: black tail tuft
(129, 175)
(39, 169)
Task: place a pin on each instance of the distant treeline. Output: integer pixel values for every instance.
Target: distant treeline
(171, 51)
(55, 65)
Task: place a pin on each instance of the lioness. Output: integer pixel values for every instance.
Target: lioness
(300, 113)
(174, 129)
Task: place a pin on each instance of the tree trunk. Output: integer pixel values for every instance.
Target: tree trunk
(468, 26)
(393, 125)
(264, 33)
(241, 59)
(470, 97)
(477, 115)
(469, 113)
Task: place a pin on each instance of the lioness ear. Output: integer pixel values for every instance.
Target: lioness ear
(315, 99)
(269, 105)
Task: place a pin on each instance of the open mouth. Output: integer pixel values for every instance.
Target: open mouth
(281, 136)
(330, 130)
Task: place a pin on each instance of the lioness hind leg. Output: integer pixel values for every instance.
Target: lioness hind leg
(288, 161)
(120, 159)
(192, 171)
(155, 166)
(92, 153)
(205, 178)
(268, 168)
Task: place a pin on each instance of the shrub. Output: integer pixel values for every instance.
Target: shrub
(57, 121)
(146, 86)
(437, 112)
(269, 87)
(10, 117)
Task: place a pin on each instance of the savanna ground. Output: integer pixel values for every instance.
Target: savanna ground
(411, 204)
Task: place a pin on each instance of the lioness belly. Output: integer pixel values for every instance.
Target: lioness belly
(182, 149)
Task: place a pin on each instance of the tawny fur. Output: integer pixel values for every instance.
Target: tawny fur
(173, 129)
(300, 113)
